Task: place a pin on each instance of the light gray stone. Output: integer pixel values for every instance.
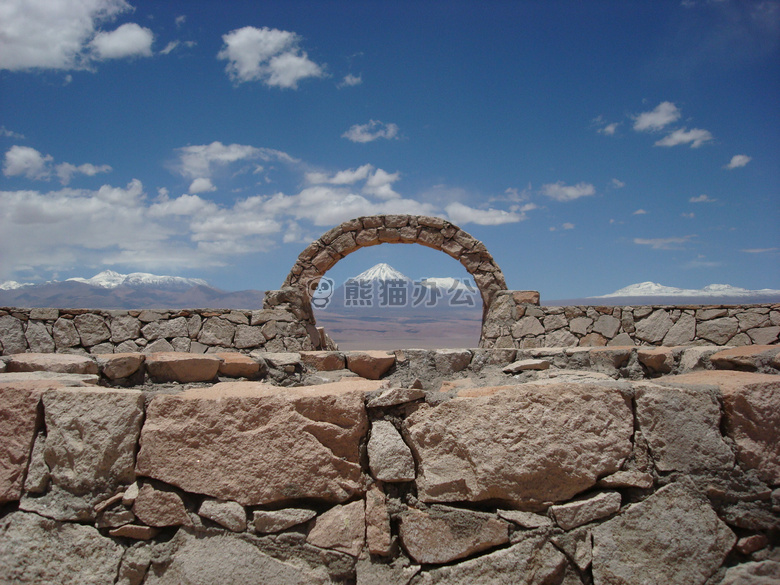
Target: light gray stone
(247, 337)
(553, 322)
(526, 326)
(654, 328)
(753, 573)
(682, 332)
(44, 314)
(395, 396)
(389, 457)
(718, 331)
(12, 335)
(65, 334)
(217, 331)
(764, 335)
(124, 328)
(38, 338)
(448, 361)
(523, 365)
(19, 421)
(266, 521)
(92, 329)
(231, 515)
(534, 561)
(682, 428)
(580, 325)
(560, 338)
(168, 328)
(584, 510)
(673, 538)
(38, 475)
(39, 551)
(607, 325)
(399, 572)
(525, 519)
(159, 346)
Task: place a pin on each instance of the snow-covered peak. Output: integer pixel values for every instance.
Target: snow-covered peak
(381, 271)
(110, 279)
(449, 284)
(653, 289)
(13, 285)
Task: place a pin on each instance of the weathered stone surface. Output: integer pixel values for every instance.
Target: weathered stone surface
(247, 337)
(534, 561)
(389, 457)
(399, 572)
(237, 365)
(764, 335)
(18, 422)
(609, 358)
(160, 507)
(526, 326)
(134, 531)
(167, 328)
(718, 331)
(658, 359)
(159, 346)
(370, 364)
(622, 479)
(682, 427)
(507, 445)
(38, 476)
(672, 537)
(526, 297)
(91, 437)
(217, 331)
(379, 538)
(749, 544)
(443, 534)
(753, 573)
(525, 519)
(448, 361)
(257, 444)
(281, 360)
(92, 329)
(119, 365)
(577, 545)
(748, 357)
(124, 328)
(682, 332)
(395, 396)
(266, 521)
(584, 510)
(38, 338)
(324, 361)
(607, 325)
(12, 335)
(182, 367)
(51, 378)
(39, 551)
(654, 328)
(751, 414)
(224, 559)
(523, 365)
(52, 362)
(342, 528)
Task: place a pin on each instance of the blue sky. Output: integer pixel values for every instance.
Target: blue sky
(589, 145)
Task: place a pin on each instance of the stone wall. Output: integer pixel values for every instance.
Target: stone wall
(554, 476)
(513, 321)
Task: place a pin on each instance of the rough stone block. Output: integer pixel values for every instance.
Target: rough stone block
(584, 510)
(182, 367)
(258, 444)
(718, 331)
(370, 364)
(379, 538)
(448, 361)
(237, 365)
(92, 329)
(267, 521)
(52, 362)
(18, 422)
(389, 457)
(749, 357)
(160, 507)
(38, 338)
(119, 365)
(342, 528)
(12, 335)
(658, 360)
(654, 328)
(324, 361)
(460, 459)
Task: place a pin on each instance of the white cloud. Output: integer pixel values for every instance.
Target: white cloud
(371, 131)
(200, 161)
(201, 185)
(180, 20)
(759, 250)
(183, 205)
(639, 212)
(379, 184)
(24, 160)
(271, 56)
(701, 199)
(65, 171)
(347, 177)
(169, 47)
(738, 160)
(664, 114)
(462, 214)
(351, 80)
(617, 184)
(609, 129)
(695, 136)
(58, 34)
(6, 133)
(568, 226)
(129, 40)
(690, 215)
(562, 192)
(663, 243)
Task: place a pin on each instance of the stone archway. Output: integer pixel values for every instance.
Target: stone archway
(433, 232)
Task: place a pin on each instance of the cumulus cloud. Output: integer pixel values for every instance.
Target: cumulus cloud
(695, 136)
(28, 162)
(65, 35)
(202, 160)
(201, 185)
(673, 243)
(346, 177)
(701, 199)
(561, 192)
(656, 119)
(371, 131)
(379, 185)
(271, 56)
(351, 80)
(462, 214)
(129, 40)
(609, 129)
(65, 171)
(737, 161)
(6, 133)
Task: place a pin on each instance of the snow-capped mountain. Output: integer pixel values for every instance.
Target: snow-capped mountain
(110, 279)
(13, 285)
(381, 271)
(653, 289)
(450, 284)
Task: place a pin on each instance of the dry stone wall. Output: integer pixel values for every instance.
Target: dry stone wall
(513, 321)
(552, 475)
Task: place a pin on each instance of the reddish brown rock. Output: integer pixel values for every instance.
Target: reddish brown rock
(231, 515)
(584, 510)
(182, 367)
(445, 534)
(379, 538)
(157, 507)
(266, 521)
(18, 421)
(115, 366)
(530, 444)
(750, 544)
(342, 528)
(134, 531)
(324, 361)
(752, 416)
(256, 444)
(237, 365)
(370, 364)
(747, 357)
(657, 359)
(526, 297)
(52, 362)
(622, 479)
